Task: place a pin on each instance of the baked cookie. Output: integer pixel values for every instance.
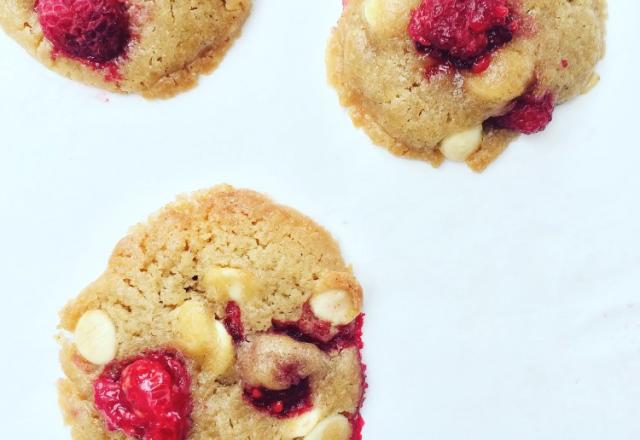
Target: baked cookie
(155, 48)
(459, 79)
(225, 316)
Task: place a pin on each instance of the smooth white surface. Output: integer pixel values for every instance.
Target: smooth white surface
(500, 306)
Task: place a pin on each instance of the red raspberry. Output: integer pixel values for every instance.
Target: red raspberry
(147, 383)
(462, 32)
(529, 115)
(282, 404)
(357, 424)
(92, 30)
(233, 321)
(146, 397)
(308, 328)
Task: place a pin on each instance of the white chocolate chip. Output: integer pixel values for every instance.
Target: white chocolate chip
(301, 425)
(506, 78)
(461, 145)
(95, 337)
(335, 306)
(226, 283)
(336, 427)
(387, 17)
(203, 337)
(221, 360)
(373, 12)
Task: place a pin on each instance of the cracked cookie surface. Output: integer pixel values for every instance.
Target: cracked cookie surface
(156, 48)
(224, 316)
(436, 79)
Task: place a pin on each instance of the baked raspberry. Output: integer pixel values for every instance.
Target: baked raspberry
(356, 419)
(357, 424)
(291, 402)
(308, 328)
(91, 30)
(233, 321)
(462, 32)
(349, 335)
(146, 397)
(530, 114)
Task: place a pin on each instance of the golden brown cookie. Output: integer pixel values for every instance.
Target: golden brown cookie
(225, 316)
(457, 79)
(155, 48)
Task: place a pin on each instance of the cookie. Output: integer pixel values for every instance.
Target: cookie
(225, 316)
(154, 48)
(457, 79)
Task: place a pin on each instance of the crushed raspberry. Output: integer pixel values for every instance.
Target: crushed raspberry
(481, 64)
(321, 333)
(308, 328)
(233, 321)
(291, 402)
(91, 30)
(357, 424)
(146, 397)
(462, 33)
(530, 114)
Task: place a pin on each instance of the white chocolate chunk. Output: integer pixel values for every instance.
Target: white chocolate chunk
(336, 427)
(95, 337)
(461, 145)
(301, 425)
(203, 337)
(219, 361)
(387, 17)
(507, 77)
(335, 306)
(373, 12)
(226, 283)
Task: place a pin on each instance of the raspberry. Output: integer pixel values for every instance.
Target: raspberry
(147, 383)
(310, 329)
(233, 321)
(146, 397)
(462, 32)
(357, 424)
(530, 114)
(91, 30)
(282, 404)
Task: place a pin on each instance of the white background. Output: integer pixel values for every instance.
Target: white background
(500, 306)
